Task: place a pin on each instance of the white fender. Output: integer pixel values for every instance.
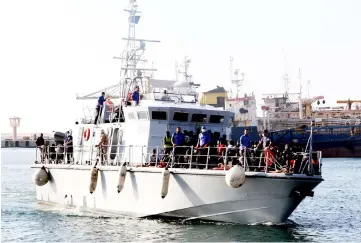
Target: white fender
(93, 180)
(42, 177)
(165, 182)
(122, 174)
(236, 176)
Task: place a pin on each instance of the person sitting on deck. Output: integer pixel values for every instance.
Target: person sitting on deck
(103, 145)
(99, 107)
(136, 95)
(153, 158)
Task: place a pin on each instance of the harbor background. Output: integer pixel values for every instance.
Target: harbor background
(333, 214)
(23, 140)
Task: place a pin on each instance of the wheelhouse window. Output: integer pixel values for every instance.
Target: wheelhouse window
(199, 117)
(142, 115)
(216, 119)
(159, 115)
(180, 116)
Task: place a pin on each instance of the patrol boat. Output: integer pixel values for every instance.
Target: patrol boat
(120, 181)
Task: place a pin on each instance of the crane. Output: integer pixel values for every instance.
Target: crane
(307, 102)
(348, 102)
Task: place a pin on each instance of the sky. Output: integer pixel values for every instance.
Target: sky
(51, 50)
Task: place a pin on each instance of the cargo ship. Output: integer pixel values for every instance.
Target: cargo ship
(288, 116)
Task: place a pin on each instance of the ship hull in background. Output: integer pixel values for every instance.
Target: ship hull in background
(332, 145)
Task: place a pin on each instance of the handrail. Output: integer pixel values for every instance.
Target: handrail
(188, 157)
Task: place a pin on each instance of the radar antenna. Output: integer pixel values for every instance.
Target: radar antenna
(131, 74)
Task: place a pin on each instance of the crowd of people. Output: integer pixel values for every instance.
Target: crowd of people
(56, 152)
(214, 152)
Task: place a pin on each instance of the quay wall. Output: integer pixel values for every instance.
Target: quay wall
(22, 143)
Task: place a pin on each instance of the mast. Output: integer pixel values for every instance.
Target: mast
(235, 80)
(285, 77)
(300, 95)
(133, 55)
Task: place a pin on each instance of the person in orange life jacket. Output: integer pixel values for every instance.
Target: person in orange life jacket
(135, 95)
(177, 140)
(99, 107)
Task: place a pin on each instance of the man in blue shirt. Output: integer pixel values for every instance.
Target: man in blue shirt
(203, 138)
(245, 140)
(135, 95)
(177, 140)
(99, 107)
(203, 141)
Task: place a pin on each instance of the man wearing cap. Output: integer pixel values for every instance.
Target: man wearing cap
(203, 138)
(203, 141)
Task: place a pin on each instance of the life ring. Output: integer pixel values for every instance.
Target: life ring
(86, 134)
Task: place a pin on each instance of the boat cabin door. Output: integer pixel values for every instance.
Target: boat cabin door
(115, 140)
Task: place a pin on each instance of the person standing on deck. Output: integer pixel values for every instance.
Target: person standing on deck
(99, 107)
(265, 139)
(103, 144)
(245, 141)
(203, 141)
(68, 145)
(203, 138)
(40, 144)
(167, 143)
(177, 140)
(136, 95)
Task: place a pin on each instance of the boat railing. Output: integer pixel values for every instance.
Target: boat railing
(186, 157)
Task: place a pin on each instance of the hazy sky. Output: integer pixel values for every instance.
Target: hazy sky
(51, 50)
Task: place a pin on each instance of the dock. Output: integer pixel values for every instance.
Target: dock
(9, 143)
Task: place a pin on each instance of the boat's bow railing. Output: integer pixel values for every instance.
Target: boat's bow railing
(187, 157)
